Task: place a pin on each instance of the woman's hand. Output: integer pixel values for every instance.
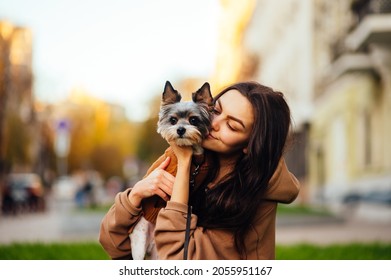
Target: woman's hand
(183, 153)
(159, 182)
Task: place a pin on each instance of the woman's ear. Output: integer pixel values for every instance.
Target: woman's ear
(245, 151)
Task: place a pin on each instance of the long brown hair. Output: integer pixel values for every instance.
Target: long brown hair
(234, 201)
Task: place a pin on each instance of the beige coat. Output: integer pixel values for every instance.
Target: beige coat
(204, 243)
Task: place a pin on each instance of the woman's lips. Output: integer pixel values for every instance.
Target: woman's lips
(211, 136)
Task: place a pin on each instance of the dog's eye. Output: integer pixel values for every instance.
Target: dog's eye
(194, 120)
(173, 120)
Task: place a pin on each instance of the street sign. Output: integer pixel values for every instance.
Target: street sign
(62, 138)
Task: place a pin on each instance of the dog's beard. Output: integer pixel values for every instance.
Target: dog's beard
(191, 137)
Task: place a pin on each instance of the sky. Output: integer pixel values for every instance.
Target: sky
(121, 51)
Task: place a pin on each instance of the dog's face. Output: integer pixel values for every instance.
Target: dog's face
(186, 123)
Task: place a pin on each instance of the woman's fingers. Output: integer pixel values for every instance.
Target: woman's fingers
(164, 181)
(167, 178)
(165, 163)
(159, 182)
(167, 188)
(162, 194)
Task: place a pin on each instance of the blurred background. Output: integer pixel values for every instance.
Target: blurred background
(80, 88)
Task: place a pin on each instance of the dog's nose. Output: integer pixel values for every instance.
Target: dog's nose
(181, 131)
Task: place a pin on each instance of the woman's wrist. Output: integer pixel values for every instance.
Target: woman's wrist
(180, 192)
(184, 163)
(134, 199)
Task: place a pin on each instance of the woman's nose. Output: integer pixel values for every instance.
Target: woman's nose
(215, 122)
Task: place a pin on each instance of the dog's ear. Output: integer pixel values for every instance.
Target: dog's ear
(170, 95)
(203, 95)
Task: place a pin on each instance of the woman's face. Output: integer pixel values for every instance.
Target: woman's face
(232, 122)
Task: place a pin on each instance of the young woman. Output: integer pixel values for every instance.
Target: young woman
(242, 177)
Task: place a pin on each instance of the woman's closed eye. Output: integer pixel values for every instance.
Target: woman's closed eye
(231, 127)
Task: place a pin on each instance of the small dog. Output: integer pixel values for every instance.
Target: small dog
(186, 123)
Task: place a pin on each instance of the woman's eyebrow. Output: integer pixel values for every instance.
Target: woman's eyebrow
(231, 117)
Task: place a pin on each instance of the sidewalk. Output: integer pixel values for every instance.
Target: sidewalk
(64, 223)
(59, 224)
(326, 231)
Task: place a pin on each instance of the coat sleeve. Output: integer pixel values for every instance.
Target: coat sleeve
(120, 220)
(116, 226)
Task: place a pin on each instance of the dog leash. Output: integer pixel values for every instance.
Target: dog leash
(189, 210)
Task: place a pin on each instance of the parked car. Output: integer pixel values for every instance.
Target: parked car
(23, 192)
(377, 197)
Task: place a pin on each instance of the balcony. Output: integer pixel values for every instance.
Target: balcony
(374, 29)
(373, 24)
(350, 62)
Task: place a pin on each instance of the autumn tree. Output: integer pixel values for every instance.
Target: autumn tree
(150, 144)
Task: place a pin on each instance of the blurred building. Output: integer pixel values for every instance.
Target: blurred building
(331, 59)
(350, 129)
(18, 139)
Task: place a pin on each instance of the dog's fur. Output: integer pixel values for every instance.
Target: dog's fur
(186, 123)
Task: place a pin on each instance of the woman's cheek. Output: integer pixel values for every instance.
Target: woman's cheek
(231, 140)
(228, 138)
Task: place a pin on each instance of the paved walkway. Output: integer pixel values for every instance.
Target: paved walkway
(362, 223)
(332, 232)
(61, 223)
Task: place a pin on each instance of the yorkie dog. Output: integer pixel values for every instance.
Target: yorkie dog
(186, 123)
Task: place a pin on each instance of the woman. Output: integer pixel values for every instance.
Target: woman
(234, 204)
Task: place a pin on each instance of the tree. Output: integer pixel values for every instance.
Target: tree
(150, 144)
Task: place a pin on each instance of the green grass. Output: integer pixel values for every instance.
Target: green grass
(53, 251)
(93, 251)
(353, 251)
(301, 210)
(95, 209)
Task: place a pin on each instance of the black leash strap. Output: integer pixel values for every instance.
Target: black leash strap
(187, 233)
(188, 218)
